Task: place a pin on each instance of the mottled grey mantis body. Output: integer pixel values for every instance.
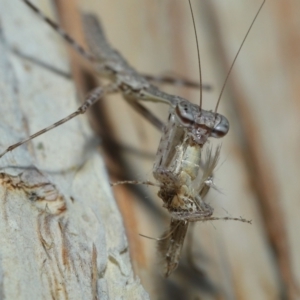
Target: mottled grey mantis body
(183, 173)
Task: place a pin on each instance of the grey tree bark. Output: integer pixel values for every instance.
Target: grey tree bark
(61, 233)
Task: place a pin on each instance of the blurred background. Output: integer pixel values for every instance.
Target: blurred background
(258, 173)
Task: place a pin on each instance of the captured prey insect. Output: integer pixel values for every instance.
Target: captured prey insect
(183, 175)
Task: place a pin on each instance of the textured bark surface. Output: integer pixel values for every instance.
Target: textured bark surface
(61, 233)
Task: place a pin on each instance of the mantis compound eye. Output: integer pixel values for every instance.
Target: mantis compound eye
(184, 113)
(221, 127)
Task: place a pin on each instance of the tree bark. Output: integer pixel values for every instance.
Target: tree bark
(61, 233)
